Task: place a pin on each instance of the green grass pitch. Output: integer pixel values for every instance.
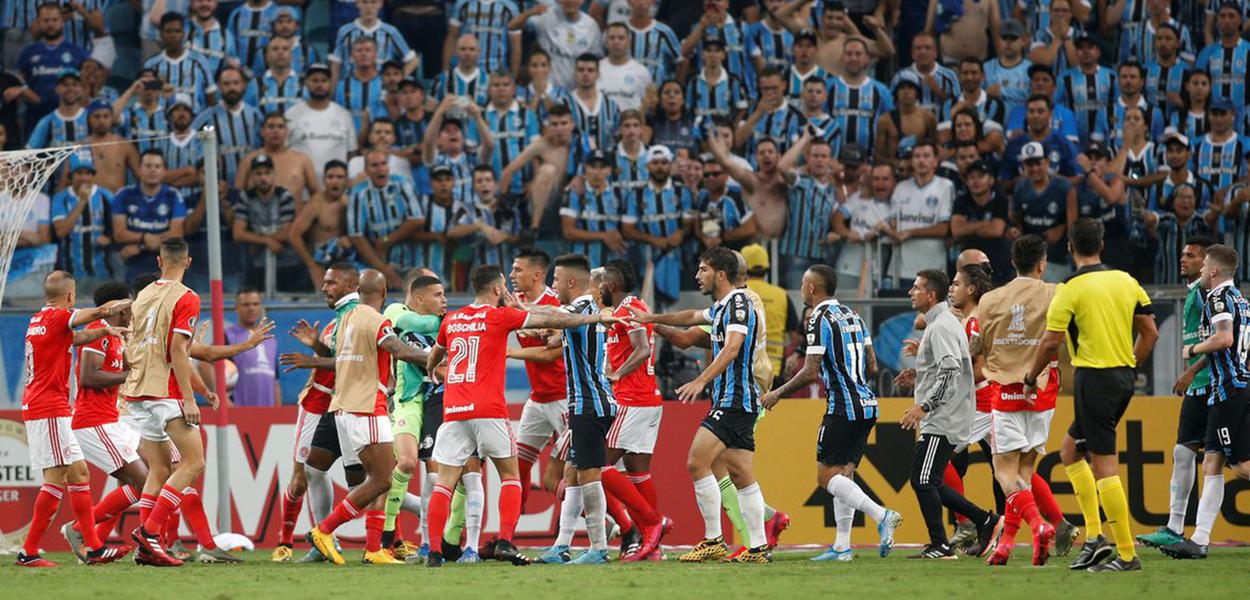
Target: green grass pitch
(1225, 574)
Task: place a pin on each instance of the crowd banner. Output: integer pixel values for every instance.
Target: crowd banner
(260, 443)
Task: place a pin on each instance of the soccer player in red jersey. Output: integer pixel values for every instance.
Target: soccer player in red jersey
(631, 356)
(45, 408)
(474, 340)
(363, 344)
(545, 414)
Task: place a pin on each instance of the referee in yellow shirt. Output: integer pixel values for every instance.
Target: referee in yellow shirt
(1099, 309)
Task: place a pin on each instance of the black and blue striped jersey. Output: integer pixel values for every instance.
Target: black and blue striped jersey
(657, 48)
(840, 337)
(598, 122)
(487, 20)
(735, 388)
(596, 212)
(1228, 367)
(585, 364)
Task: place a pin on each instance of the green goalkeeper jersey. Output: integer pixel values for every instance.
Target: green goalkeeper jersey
(418, 331)
(1192, 334)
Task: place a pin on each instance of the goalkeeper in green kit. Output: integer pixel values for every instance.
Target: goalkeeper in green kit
(416, 322)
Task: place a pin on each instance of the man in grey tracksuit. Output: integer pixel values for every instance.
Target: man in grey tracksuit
(945, 403)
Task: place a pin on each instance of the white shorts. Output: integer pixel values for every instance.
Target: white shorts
(151, 416)
(127, 420)
(563, 443)
(458, 440)
(52, 443)
(540, 421)
(982, 429)
(305, 425)
(358, 431)
(1021, 431)
(108, 447)
(636, 429)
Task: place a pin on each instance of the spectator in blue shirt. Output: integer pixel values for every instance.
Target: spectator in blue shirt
(42, 62)
(145, 214)
(1060, 151)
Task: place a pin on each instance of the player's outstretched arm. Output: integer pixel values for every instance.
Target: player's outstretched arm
(536, 354)
(86, 315)
(806, 375)
(733, 346)
(406, 353)
(295, 360)
(690, 337)
(86, 336)
(211, 352)
(307, 335)
(685, 318)
(545, 317)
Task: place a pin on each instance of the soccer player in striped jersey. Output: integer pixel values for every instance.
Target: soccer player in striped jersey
(486, 20)
(591, 218)
(251, 24)
(67, 124)
(653, 43)
(715, 92)
(839, 350)
(804, 68)
(1165, 74)
(208, 37)
(728, 431)
(1227, 59)
(768, 42)
(772, 118)
(467, 79)
(80, 222)
(1226, 320)
(856, 100)
(389, 42)
(237, 124)
(382, 214)
(360, 91)
(180, 66)
(278, 86)
(1220, 155)
(595, 115)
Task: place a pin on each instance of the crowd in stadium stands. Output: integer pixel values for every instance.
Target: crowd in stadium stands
(879, 136)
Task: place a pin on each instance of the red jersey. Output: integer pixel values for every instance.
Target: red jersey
(316, 395)
(49, 342)
(985, 395)
(476, 339)
(98, 406)
(546, 379)
(636, 388)
(1010, 398)
(186, 312)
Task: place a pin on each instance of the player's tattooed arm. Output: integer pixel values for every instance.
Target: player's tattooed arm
(637, 358)
(547, 317)
(295, 360)
(806, 375)
(212, 352)
(404, 352)
(1220, 339)
(689, 337)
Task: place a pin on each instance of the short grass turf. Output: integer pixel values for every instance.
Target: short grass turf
(1226, 574)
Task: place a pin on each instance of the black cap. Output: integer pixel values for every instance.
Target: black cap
(852, 154)
(1083, 36)
(409, 81)
(1041, 68)
(1011, 28)
(714, 40)
(907, 79)
(599, 156)
(835, 5)
(394, 64)
(317, 68)
(440, 170)
(262, 161)
(1098, 148)
(982, 166)
(806, 34)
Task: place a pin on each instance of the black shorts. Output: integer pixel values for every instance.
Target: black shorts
(1100, 397)
(431, 420)
(1192, 429)
(326, 436)
(734, 428)
(1228, 427)
(842, 442)
(589, 449)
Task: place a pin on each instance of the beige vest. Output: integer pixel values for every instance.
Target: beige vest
(357, 384)
(763, 366)
(147, 352)
(1013, 321)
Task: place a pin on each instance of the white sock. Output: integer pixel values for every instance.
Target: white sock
(320, 493)
(596, 505)
(751, 503)
(1183, 468)
(1208, 508)
(844, 489)
(427, 492)
(844, 517)
(412, 504)
(707, 494)
(474, 502)
(570, 510)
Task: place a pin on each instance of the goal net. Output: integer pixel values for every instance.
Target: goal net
(23, 176)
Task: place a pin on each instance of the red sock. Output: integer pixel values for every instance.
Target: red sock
(509, 507)
(1027, 507)
(197, 521)
(104, 529)
(1011, 523)
(290, 514)
(80, 501)
(615, 484)
(344, 512)
(440, 508)
(1045, 500)
(146, 503)
(526, 458)
(166, 503)
(374, 520)
(616, 510)
(952, 480)
(646, 487)
(170, 533)
(46, 503)
(114, 503)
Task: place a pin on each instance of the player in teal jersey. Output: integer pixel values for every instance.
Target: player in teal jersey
(1195, 385)
(416, 322)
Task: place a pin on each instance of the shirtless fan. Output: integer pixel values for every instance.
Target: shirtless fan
(23, 174)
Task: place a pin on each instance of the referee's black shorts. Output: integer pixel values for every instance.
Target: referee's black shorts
(1100, 398)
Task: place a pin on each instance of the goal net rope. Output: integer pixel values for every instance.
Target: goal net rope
(24, 175)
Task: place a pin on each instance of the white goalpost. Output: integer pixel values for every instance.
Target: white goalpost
(23, 176)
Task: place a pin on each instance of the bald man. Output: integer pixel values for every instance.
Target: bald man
(972, 256)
